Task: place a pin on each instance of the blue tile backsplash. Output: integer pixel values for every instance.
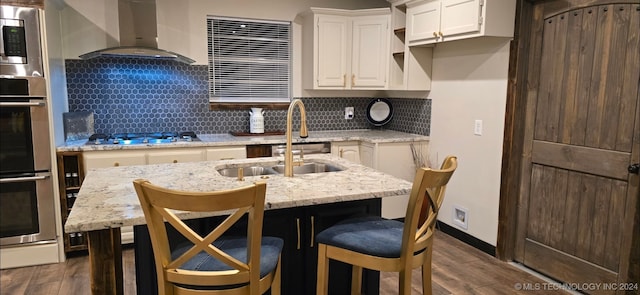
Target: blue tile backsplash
(136, 95)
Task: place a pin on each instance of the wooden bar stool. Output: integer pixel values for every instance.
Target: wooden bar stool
(376, 243)
(213, 264)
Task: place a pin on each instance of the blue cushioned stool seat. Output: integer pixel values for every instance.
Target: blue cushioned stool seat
(371, 235)
(236, 247)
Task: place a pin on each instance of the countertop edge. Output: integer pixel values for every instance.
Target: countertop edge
(215, 140)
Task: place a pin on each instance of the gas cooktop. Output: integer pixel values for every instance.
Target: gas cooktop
(141, 138)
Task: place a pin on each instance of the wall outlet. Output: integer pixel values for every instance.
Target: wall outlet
(477, 127)
(348, 113)
(461, 217)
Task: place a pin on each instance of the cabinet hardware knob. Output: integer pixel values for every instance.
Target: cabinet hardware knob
(116, 164)
(341, 150)
(441, 35)
(435, 34)
(175, 161)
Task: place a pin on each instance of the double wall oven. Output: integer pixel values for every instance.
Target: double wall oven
(27, 207)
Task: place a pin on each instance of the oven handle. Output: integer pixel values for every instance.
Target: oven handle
(23, 104)
(23, 179)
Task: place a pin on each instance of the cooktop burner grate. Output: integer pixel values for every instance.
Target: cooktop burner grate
(142, 138)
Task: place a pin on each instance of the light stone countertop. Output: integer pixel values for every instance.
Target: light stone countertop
(107, 198)
(211, 140)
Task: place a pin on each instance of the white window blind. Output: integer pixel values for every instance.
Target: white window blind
(249, 60)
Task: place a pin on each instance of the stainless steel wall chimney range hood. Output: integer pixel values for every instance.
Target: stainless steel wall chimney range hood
(138, 34)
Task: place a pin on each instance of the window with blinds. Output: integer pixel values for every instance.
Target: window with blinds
(249, 60)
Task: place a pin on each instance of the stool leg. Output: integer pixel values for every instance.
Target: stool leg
(426, 273)
(276, 285)
(323, 270)
(405, 282)
(356, 280)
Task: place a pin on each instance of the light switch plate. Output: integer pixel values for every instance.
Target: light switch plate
(477, 127)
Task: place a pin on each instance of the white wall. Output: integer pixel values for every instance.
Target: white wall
(57, 77)
(92, 25)
(470, 83)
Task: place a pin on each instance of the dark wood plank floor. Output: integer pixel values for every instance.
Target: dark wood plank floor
(457, 269)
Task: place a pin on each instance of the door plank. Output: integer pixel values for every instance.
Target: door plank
(545, 82)
(572, 206)
(551, 261)
(630, 86)
(536, 210)
(585, 216)
(569, 113)
(555, 105)
(614, 224)
(600, 217)
(589, 160)
(613, 79)
(557, 204)
(585, 65)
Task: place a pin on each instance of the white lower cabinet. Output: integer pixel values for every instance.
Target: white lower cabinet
(367, 154)
(349, 150)
(397, 159)
(104, 159)
(226, 153)
(175, 156)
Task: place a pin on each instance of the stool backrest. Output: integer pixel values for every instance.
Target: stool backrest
(427, 192)
(161, 204)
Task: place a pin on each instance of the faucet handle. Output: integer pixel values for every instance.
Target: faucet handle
(240, 174)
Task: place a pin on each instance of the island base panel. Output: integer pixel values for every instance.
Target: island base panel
(105, 262)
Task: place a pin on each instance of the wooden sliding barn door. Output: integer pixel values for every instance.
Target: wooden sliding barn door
(578, 199)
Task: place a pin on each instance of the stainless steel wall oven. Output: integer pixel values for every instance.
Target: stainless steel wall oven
(27, 206)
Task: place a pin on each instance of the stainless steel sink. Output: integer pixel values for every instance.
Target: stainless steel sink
(247, 171)
(312, 167)
(270, 168)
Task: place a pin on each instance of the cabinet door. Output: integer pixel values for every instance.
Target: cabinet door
(423, 22)
(397, 159)
(369, 57)
(367, 155)
(287, 224)
(321, 217)
(175, 156)
(227, 153)
(349, 151)
(460, 17)
(331, 51)
(112, 159)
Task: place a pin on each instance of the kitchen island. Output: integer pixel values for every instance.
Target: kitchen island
(107, 199)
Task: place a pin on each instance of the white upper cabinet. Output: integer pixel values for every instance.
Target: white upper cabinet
(370, 51)
(332, 46)
(346, 49)
(423, 21)
(435, 21)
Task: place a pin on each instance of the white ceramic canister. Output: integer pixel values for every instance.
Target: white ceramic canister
(256, 121)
